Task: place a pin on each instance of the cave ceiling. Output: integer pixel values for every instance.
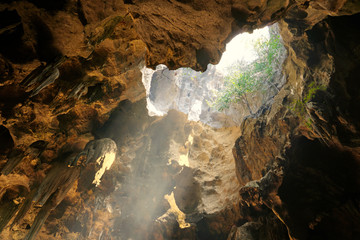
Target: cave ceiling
(81, 159)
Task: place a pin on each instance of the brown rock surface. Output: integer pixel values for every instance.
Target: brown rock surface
(297, 160)
(313, 165)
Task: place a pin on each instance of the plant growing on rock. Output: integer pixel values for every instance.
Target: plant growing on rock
(298, 107)
(244, 78)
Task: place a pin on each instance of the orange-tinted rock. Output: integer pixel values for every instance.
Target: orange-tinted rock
(105, 43)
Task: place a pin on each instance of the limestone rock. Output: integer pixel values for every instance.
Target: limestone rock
(310, 131)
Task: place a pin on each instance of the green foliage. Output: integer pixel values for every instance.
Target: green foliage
(313, 88)
(309, 123)
(247, 78)
(299, 106)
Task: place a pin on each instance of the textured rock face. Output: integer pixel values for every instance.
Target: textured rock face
(66, 65)
(193, 92)
(206, 26)
(189, 92)
(51, 104)
(170, 155)
(313, 169)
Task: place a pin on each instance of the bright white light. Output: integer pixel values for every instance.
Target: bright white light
(146, 80)
(185, 96)
(241, 48)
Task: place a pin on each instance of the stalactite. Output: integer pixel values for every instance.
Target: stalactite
(50, 194)
(24, 208)
(13, 189)
(17, 155)
(7, 211)
(43, 76)
(58, 181)
(78, 91)
(14, 159)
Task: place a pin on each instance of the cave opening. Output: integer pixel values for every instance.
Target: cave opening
(274, 161)
(247, 77)
(179, 147)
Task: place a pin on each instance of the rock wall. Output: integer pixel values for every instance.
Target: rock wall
(193, 93)
(307, 171)
(170, 156)
(66, 65)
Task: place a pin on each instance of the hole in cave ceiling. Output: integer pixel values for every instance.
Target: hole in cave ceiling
(180, 169)
(247, 77)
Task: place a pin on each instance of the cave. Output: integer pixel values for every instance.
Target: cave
(101, 139)
(221, 96)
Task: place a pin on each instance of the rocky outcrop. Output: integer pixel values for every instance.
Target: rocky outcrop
(66, 65)
(310, 178)
(194, 93)
(206, 26)
(172, 163)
